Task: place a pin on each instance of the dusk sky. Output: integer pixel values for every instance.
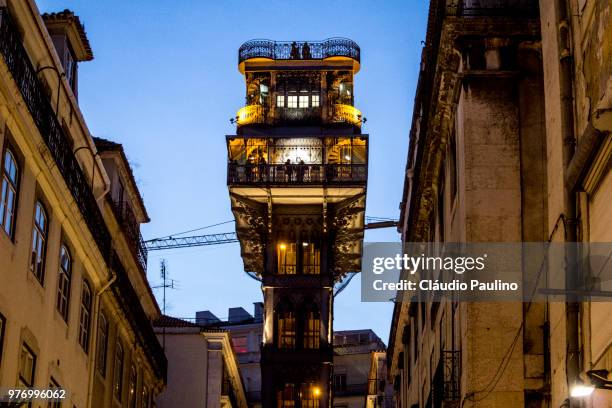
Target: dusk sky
(164, 83)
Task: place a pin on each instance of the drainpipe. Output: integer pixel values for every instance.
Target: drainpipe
(94, 345)
(572, 310)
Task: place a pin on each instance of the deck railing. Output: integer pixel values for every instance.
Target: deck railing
(492, 7)
(299, 50)
(259, 115)
(298, 174)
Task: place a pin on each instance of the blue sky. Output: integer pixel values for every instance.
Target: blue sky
(164, 83)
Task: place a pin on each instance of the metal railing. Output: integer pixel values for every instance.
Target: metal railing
(259, 114)
(131, 228)
(299, 50)
(300, 174)
(351, 389)
(491, 7)
(452, 375)
(35, 98)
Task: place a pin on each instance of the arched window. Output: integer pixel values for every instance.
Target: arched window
(312, 326)
(39, 242)
(8, 197)
(85, 316)
(285, 324)
(63, 282)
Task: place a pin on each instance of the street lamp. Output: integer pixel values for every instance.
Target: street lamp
(598, 379)
(580, 390)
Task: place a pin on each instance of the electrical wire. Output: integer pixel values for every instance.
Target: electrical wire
(193, 230)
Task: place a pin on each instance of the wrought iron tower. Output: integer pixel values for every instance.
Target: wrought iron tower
(297, 176)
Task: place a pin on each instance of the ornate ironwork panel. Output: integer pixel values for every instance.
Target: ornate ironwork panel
(285, 50)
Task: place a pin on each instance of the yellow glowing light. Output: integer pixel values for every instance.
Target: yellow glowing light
(250, 114)
(282, 247)
(316, 391)
(305, 244)
(347, 113)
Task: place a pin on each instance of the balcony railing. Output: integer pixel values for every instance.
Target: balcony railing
(347, 114)
(35, 98)
(131, 228)
(297, 174)
(299, 50)
(452, 375)
(351, 389)
(259, 114)
(492, 7)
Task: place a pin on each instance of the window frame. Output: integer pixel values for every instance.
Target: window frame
(64, 282)
(8, 150)
(22, 380)
(85, 328)
(53, 384)
(38, 267)
(133, 387)
(118, 368)
(102, 346)
(2, 333)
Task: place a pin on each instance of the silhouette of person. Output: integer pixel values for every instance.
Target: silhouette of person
(306, 51)
(300, 171)
(295, 53)
(261, 166)
(288, 169)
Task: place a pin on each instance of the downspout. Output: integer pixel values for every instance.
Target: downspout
(94, 345)
(572, 363)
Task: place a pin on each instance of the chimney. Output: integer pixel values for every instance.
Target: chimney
(258, 311)
(206, 317)
(238, 314)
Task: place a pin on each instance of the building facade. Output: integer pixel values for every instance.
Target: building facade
(203, 369)
(75, 305)
(297, 173)
(510, 142)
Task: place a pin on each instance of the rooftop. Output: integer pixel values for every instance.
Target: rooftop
(75, 30)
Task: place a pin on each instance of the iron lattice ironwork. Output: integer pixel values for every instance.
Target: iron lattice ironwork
(491, 7)
(452, 375)
(285, 50)
(131, 229)
(296, 174)
(36, 100)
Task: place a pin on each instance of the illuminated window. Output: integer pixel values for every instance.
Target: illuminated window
(27, 365)
(8, 198)
(292, 101)
(102, 344)
(240, 344)
(303, 101)
(287, 258)
(286, 328)
(311, 259)
(315, 101)
(118, 371)
(39, 243)
(63, 284)
(310, 395)
(280, 101)
(286, 397)
(85, 316)
(312, 329)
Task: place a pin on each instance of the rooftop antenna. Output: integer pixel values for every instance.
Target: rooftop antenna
(167, 283)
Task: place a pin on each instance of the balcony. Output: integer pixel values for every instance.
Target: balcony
(492, 7)
(261, 115)
(130, 226)
(299, 50)
(349, 390)
(296, 174)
